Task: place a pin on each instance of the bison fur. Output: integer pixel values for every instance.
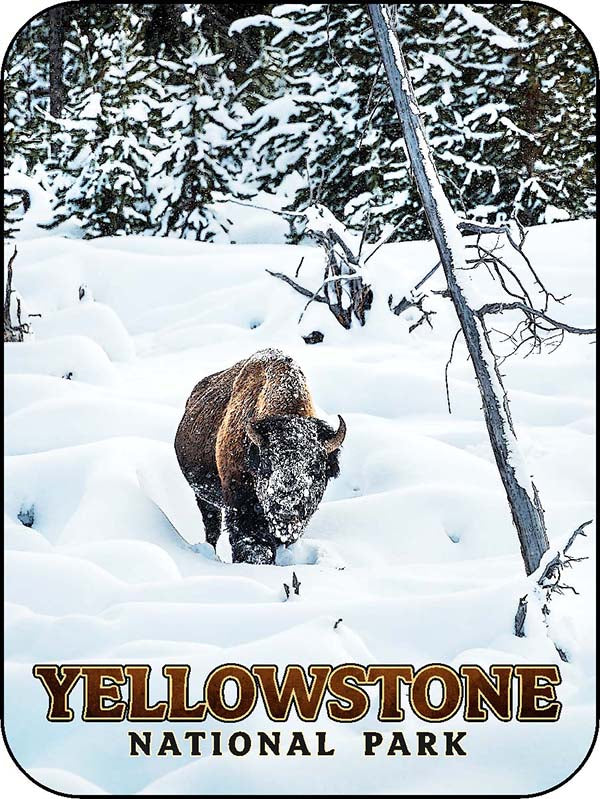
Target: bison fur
(255, 455)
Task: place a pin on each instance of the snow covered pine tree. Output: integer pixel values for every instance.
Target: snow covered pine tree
(196, 162)
(105, 134)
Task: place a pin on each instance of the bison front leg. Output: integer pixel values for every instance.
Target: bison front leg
(211, 516)
(248, 530)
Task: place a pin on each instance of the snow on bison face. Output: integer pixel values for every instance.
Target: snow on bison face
(291, 459)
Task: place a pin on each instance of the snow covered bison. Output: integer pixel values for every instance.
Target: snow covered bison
(249, 443)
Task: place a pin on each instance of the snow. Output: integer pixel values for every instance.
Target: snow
(473, 19)
(412, 546)
(94, 320)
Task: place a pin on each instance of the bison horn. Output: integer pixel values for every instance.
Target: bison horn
(254, 435)
(337, 439)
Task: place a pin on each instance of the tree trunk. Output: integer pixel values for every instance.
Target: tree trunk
(56, 40)
(522, 496)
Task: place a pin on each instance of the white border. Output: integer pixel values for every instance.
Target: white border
(585, 14)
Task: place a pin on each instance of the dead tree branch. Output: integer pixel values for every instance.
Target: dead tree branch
(12, 332)
(550, 581)
(414, 300)
(474, 227)
(342, 288)
(523, 498)
(498, 307)
(300, 289)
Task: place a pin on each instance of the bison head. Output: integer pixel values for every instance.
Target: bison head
(292, 459)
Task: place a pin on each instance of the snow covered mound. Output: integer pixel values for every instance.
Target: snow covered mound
(412, 547)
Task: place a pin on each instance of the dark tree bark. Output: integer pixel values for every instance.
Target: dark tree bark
(522, 496)
(56, 40)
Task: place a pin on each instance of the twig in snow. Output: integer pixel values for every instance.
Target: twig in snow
(300, 289)
(520, 617)
(447, 367)
(413, 301)
(385, 239)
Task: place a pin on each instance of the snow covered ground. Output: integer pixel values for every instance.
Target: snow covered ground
(413, 546)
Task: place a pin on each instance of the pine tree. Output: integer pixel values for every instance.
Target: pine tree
(167, 108)
(338, 124)
(196, 162)
(26, 129)
(106, 142)
(547, 156)
(475, 75)
(26, 99)
(14, 209)
(308, 119)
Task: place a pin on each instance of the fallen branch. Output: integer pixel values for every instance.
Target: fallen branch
(413, 301)
(552, 573)
(300, 289)
(549, 582)
(476, 227)
(342, 287)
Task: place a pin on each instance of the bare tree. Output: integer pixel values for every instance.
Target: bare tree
(13, 331)
(535, 325)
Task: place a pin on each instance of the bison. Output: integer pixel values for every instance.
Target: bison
(253, 451)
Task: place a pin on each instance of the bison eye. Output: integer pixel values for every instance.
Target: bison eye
(253, 457)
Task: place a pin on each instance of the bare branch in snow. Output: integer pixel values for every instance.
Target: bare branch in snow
(448, 362)
(342, 287)
(12, 332)
(550, 580)
(579, 531)
(520, 617)
(412, 300)
(475, 227)
(300, 289)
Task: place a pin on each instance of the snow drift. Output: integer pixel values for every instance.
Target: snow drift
(412, 547)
